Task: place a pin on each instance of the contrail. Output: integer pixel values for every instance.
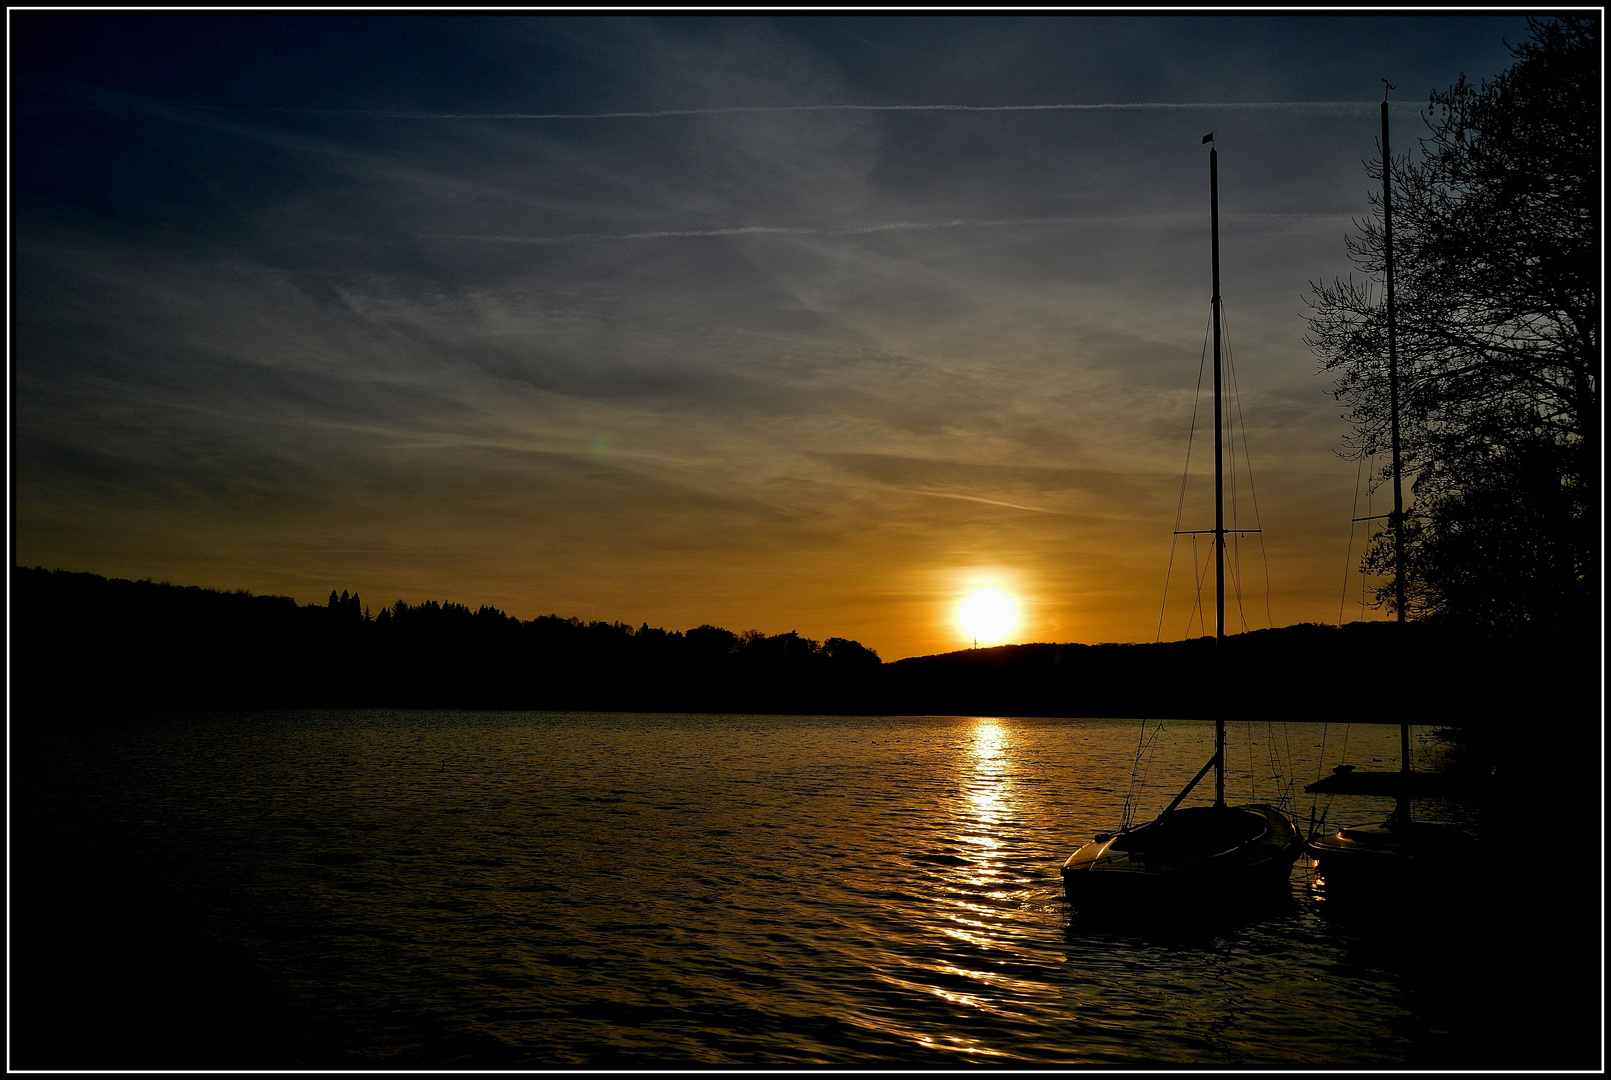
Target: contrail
(759, 230)
(1344, 107)
(978, 499)
(858, 230)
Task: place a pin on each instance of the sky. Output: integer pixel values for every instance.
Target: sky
(787, 323)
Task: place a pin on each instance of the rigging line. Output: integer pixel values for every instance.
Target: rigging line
(1202, 608)
(1174, 541)
(1325, 730)
(1276, 770)
(1151, 748)
(1230, 437)
(1196, 577)
(1142, 743)
(1252, 772)
(1348, 730)
(1180, 505)
(1129, 810)
(1200, 611)
(1277, 774)
(1247, 455)
(1290, 772)
(1135, 762)
(1236, 574)
(1280, 765)
(1264, 555)
(1292, 763)
(1348, 559)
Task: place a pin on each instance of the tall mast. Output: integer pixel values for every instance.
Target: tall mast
(1219, 480)
(1401, 810)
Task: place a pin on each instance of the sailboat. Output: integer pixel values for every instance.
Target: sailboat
(1399, 846)
(1192, 856)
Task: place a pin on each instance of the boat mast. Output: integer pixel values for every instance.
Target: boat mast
(1401, 810)
(1219, 479)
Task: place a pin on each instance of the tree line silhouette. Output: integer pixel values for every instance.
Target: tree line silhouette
(82, 639)
(85, 636)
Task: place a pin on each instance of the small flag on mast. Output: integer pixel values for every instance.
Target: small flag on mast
(1209, 137)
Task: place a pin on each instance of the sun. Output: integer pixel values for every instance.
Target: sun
(988, 616)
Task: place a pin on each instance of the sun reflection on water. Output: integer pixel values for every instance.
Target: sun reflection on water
(986, 802)
(988, 738)
(977, 891)
(984, 815)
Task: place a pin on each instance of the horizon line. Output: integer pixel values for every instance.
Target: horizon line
(237, 591)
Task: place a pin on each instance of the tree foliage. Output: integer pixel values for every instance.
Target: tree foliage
(1496, 272)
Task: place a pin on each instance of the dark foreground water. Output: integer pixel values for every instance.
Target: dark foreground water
(379, 889)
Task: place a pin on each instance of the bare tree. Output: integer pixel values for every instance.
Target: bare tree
(1497, 260)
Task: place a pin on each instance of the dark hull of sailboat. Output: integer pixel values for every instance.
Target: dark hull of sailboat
(1390, 851)
(1189, 858)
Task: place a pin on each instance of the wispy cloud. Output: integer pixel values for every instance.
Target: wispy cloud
(1328, 107)
(767, 230)
(1104, 221)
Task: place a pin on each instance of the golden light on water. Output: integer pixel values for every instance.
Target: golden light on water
(973, 912)
(987, 806)
(988, 740)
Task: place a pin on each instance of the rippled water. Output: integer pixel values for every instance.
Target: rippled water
(381, 888)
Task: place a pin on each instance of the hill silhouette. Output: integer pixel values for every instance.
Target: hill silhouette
(82, 639)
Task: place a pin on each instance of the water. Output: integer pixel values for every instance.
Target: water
(405, 889)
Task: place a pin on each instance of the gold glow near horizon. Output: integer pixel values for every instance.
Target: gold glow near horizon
(988, 615)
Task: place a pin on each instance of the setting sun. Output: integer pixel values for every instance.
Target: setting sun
(988, 616)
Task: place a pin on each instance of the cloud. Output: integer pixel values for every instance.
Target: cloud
(1275, 220)
(1335, 108)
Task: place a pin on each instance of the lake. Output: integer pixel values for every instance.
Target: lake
(386, 888)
